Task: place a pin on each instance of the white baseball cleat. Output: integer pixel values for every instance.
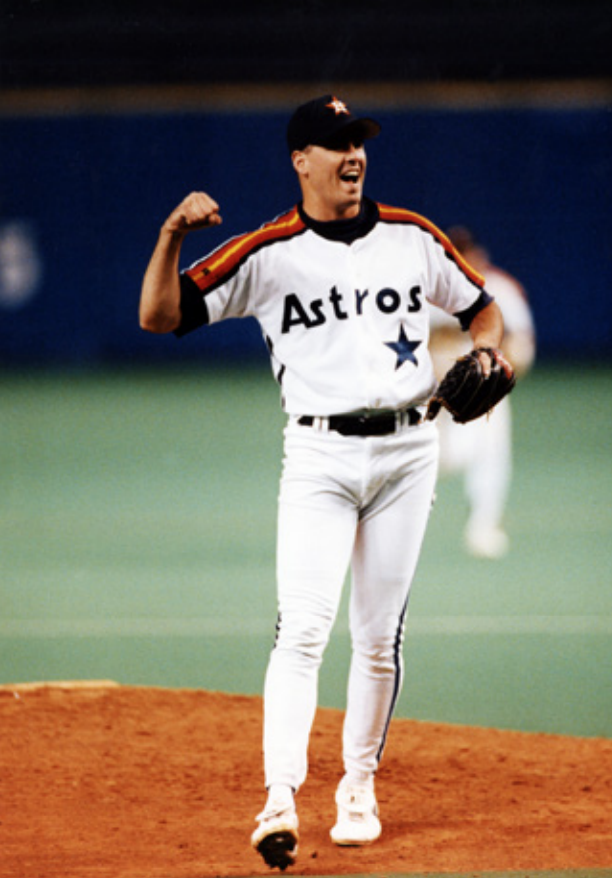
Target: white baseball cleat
(276, 837)
(357, 822)
(487, 542)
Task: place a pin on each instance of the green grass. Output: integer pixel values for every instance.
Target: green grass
(137, 528)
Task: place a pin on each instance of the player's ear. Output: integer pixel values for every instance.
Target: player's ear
(299, 160)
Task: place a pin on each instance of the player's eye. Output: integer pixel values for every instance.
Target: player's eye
(344, 144)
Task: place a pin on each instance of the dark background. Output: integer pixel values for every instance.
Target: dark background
(101, 42)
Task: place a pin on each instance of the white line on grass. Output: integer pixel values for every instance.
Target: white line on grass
(220, 627)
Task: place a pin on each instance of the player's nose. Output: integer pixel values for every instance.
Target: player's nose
(355, 149)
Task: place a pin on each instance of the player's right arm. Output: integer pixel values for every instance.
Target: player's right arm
(160, 298)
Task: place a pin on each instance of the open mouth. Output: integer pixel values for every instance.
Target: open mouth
(350, 177)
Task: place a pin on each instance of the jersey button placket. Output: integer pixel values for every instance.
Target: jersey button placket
(362, 334)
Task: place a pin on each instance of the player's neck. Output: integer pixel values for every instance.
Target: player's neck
(344, 230)
(323, 212)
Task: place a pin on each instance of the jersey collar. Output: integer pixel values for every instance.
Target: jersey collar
(344, 231)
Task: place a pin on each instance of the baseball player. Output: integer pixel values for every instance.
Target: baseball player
(339, 285)
(482, 450)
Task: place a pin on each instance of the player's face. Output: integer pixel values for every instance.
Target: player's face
(332, 179)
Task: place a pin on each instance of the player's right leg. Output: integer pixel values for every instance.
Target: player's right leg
(276, 836)
(316, 531)
(314, 547)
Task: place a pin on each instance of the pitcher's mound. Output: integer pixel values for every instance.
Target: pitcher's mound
(105, 781)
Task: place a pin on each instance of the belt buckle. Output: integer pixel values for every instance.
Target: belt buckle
(380, 424)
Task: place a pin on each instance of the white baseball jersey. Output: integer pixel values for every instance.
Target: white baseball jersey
(346, 324)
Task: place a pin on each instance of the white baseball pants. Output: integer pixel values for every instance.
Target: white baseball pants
(482, 450)
(344, 501)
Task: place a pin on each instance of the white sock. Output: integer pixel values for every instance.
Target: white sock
(360, 778)
(281, 794)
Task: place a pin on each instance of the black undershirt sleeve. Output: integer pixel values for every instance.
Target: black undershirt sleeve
(194, 312)
(466, 317)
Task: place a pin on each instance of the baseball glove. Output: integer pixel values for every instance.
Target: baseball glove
(465, 391)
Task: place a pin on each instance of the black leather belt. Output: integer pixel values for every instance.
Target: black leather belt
(364, 425)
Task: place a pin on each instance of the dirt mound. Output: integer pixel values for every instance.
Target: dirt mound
(122, 782)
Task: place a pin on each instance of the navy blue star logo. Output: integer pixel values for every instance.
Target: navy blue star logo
(403, 348)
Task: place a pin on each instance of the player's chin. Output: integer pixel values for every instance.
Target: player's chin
(352, 194)
(353, 189)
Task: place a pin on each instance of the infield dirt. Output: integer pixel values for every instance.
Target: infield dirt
(127, 782)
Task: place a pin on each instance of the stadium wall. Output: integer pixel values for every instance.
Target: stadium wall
(85, 185)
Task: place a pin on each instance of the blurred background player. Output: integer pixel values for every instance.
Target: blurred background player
(482, 449)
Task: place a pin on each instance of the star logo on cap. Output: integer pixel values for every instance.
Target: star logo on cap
(338, 107)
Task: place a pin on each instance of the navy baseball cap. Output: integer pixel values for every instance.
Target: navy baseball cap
(324, 120)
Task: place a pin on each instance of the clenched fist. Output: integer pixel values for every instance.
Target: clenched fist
(196, 211)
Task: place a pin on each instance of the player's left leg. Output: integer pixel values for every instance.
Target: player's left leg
(387, 549)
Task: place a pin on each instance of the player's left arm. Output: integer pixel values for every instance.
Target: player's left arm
(487, 331)
(477, 381)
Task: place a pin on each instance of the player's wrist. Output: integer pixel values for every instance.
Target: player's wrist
(172, 234)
